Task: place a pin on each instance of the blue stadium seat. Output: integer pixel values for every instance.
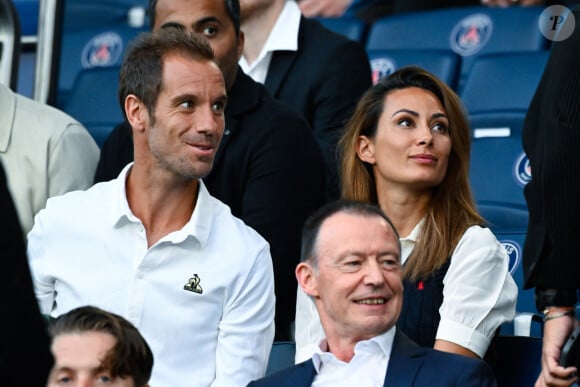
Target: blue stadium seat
(513, 242)
(497, 94)
(281, 356)
(91, 48)
(354, 29)
(516, 360)
(93, 101)
(469, 31)
(28, 15)
(445, 64)
(95, 34)
(499, 88)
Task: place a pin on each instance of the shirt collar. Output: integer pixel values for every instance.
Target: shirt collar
(120, 212)
(414, 232)
(284, 34)
(198, 226)
(382, 342)
(408, 242)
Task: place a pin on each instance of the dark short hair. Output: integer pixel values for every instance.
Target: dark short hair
(141, 70)
(232, 7)
(130, 356)
(311, 228)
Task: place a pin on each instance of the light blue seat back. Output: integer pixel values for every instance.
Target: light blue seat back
(354, 29)
(497, 95)
(468, 31)
(94, 101)
(445, 64)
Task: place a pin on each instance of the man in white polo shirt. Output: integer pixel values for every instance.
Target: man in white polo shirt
(152, 245)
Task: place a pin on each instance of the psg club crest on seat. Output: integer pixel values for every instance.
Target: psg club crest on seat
(522, 170)
(513, 250)
(471, 34)
(102, 50)
(382, 67)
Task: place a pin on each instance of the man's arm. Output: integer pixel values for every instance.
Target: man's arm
(246, 330)
(43, 288)
(556, 332)
(73, 160)
(324, 8)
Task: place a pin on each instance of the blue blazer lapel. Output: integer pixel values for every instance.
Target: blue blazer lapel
(406, 359)
(279, 67)
(306, 373)
(281, 63)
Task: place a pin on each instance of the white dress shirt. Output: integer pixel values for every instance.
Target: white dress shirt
(367, 368)
(283, 37)
(202, 296)
(479, 294)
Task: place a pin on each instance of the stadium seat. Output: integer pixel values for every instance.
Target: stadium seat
(28, 14)
(281, 356)
(499, 88)
(515, 360)
(93, 101)
(513, 242)
(95, 34)
(468, 31)
(497, 94)
(445, 64)
(354, 29)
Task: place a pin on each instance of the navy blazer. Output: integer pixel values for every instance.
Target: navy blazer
(268, 169)
(323, 80)
(410, 365)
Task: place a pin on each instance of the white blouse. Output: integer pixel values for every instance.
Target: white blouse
(479, 295)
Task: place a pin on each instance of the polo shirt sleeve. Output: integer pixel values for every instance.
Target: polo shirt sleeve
(246, 331)
(37, 259)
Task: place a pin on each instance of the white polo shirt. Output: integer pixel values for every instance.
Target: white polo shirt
(203, 296)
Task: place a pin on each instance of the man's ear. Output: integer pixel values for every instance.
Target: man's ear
(307, 279)
(241, 42)
(136, 112)
(366, 150)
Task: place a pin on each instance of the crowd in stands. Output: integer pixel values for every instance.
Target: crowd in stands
(260, 190)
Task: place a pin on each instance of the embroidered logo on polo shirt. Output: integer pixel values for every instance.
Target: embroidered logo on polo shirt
(192, 285)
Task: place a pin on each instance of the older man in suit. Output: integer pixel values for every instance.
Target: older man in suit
(351, 268)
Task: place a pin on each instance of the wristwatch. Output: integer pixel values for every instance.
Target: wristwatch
(546, 298)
